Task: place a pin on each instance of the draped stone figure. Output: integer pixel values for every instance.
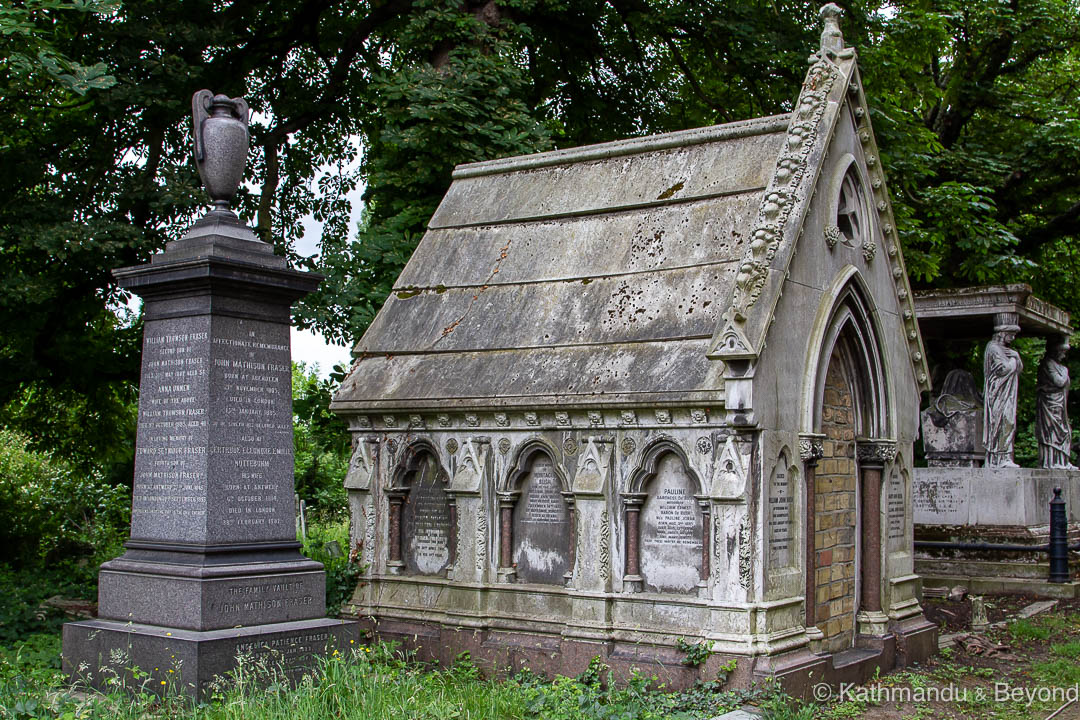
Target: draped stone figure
(1001, 379)
(1052, 418)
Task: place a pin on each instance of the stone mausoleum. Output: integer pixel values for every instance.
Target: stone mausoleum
(647, 391)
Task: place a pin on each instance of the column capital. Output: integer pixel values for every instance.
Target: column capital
(810, 447)
(873, 452)
(507, 498)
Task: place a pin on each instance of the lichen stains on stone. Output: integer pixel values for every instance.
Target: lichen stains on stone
(671, 191)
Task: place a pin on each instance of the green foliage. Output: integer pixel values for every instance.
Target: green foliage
(1060, 672)
(23, 591)
(320, 442)
(785, 708)
(595, 694)
(365, 683)
(696, 653)
(1070, 649)
(57, 524)
(29, 53)
(968, 104)
(94, 430)
(342, 570)
(50, 511)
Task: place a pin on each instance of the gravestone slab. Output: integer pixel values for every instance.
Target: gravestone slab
(426, 522)
(940, 500)
(671, 530)
(541, 527)
(895, 510)
(780, 517)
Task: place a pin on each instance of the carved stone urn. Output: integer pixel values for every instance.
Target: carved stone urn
(221, 144)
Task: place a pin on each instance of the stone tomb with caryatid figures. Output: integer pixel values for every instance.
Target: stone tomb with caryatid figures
(609, 409)
(972, 490)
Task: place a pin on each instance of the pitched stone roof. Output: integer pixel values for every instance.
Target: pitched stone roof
(595, 275)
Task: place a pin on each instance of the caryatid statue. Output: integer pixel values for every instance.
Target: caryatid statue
(1001, 380)
(1052, 428)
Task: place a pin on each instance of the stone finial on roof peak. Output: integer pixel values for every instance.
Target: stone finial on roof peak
(832, 40)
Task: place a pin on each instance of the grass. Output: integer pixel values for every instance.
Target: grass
(380, 682)
(370, 683)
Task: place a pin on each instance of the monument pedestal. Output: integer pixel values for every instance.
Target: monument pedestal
(1007, 507)
(212, 568)
(189, 661)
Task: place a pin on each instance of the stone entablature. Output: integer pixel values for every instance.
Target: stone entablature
(969, 312)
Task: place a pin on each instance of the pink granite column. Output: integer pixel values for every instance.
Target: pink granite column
(396, 498)
(870, 597)
(632, 503)
(872, 455)
(506, 530)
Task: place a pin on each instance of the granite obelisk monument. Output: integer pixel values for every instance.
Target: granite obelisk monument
(212, 568)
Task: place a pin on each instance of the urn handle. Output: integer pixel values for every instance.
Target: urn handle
(220, 132)
(201, 103)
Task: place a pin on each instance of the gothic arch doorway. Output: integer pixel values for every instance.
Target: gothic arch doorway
(848, 397)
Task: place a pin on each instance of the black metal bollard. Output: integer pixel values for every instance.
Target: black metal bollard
(1059, 540)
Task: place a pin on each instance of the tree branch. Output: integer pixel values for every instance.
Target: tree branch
(1066, 223)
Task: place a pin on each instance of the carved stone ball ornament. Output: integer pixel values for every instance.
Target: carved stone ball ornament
(220, 128)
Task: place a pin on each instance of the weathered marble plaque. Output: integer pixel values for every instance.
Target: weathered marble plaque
(780, 511)
(940, 500)
(542, 532)
(426, 521)
(895, 509)
(671, 532)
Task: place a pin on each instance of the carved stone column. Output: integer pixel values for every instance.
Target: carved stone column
(706, 537)
(568, 576)
(632, 503)
(396, 498)
(507, 500)
(810, 451)
(361, 477)
(873, 456)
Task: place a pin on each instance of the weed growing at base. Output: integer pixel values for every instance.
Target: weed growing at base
(367, 683)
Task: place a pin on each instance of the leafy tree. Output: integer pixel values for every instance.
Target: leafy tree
(321, 442)
(975, 105)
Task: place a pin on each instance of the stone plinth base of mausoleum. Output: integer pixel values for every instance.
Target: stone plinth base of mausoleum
(168, 660)
(549, 646)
